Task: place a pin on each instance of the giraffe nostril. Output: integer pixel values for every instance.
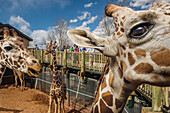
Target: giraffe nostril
(34, 61)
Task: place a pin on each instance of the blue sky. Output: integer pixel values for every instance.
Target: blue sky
(35, 17)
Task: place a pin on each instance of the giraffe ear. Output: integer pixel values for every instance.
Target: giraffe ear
(84, 38)
(6, 32)
(112, 10)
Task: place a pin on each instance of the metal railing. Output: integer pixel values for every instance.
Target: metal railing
(85, 94)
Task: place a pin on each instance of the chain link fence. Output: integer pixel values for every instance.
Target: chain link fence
(80, 92)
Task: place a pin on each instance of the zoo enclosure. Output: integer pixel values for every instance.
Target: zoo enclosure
(94, 63)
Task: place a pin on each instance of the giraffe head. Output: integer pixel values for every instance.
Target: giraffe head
(140, 44)
(50, 48)
(14, 55)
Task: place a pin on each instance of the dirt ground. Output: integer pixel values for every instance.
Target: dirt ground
(13, 100)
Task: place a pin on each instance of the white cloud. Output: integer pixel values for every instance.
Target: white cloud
(83, 27)
(88, 5)
(90, 21)
(39, 37)
(144, 4)
(84, 24)
(20, 24)
(85, 14)
(73, 21)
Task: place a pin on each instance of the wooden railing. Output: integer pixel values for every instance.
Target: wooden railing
(92, 61)
(96, 62)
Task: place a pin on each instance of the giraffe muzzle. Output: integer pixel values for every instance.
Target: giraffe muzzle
(32, 72)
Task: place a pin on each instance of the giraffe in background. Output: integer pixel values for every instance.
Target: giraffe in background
(14, 55)
(139, 52)
(58, 87)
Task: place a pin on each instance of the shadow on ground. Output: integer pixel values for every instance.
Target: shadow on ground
(14, 110)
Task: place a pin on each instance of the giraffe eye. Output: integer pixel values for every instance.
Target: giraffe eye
(141, 30)
(8, 48)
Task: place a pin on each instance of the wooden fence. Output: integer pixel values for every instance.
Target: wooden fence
(95, 62)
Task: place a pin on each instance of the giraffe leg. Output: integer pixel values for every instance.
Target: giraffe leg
(2, 71)
(21, 80)
(59, 109)
(56, 105)
(16, 77)
(63, 104)
(50, 103)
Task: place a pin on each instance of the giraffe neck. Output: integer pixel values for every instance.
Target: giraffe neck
(55, 71)
(113, 91)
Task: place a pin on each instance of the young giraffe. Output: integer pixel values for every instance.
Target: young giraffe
(139, 52)
(58, 87)
(14, 55)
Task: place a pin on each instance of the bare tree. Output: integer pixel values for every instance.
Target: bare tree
(106, 25)
(58, 33)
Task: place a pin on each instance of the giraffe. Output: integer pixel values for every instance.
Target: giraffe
(14, 54)
(58, 87)
(139, 52)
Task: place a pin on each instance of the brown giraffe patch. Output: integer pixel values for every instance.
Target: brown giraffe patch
(103, 85)
(2, 69)
(15, 63)
(104, 108)
(118, 33)
(117, 28)
(167, 13)
(140, 53)
(143, 68)
(96, 109)
(122, 29)
(10, 60)
(163, 56)
(130, 47)
(121, 52)
(123, 66)
(120, 72)
(108, 98)
(107, 70)
(96, 97)
(121, 23)
(111, 79)
(118, 103)
(124, 48)
(124, 55)
(120, 36)
(123, 17)
(131, 59)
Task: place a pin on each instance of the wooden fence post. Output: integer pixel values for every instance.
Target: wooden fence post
(35, 53)
(156, 98)
(51, 59)
(65, 58)
(82, 64)
(166, 96)
(42, 55)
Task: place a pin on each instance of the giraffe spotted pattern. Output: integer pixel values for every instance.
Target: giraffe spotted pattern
(139, 52)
